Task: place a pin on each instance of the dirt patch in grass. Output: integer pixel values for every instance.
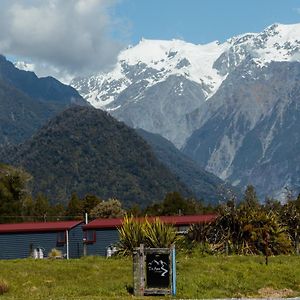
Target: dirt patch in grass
(268, 292)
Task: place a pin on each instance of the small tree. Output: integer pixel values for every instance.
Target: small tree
(247, 229)
(14, 190)
(28, 208)
(112, 208)
(175, 204)
(135, 210)
(89, 202)
(250, 200)
(75, 206)
(291, 218)
(57, 211)
(41, 206)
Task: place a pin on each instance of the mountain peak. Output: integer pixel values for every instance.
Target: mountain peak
(151, 52)
(284, 28)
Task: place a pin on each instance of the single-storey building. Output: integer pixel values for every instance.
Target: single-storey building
(73, 238)
(37, 239)
(100, 234)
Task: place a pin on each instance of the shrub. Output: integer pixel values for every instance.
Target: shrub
(112, 208)
(54, 253)
(4, 287)
(247, 229)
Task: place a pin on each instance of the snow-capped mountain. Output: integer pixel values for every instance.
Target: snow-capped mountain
(166, 79)
(154, 66)
(212, 100)
(207, 65)
(153, 61)
(25, 66)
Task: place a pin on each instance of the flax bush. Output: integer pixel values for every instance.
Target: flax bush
(158, 234)
(131, 235)
(153, 234)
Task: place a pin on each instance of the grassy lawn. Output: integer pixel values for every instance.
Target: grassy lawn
(197, 277)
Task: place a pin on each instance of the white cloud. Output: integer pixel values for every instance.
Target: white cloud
(69, 36)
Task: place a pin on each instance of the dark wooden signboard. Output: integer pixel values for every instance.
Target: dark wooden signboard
(154, 271)
(157, 270)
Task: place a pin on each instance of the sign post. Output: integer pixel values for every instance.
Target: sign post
(154, 271)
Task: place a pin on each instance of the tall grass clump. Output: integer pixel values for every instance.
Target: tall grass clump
(4, 287)
(54, 253)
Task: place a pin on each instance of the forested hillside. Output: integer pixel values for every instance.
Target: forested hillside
(203, 184)
(84, 150)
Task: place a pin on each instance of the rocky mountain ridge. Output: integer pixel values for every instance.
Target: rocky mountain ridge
(191, 73)
(224, 104)
(28, 102)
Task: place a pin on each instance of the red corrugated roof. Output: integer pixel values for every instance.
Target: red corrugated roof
(174, 220)
(103, 223)
(38, 226)
(187, 220)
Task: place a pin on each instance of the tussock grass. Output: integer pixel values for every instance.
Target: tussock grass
(54, 253)
(4, 287)
(197, 277)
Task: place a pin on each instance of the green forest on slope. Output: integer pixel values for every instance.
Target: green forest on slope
(84, 150)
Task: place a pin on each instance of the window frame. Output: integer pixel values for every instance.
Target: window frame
(87, 236)
(59, 239)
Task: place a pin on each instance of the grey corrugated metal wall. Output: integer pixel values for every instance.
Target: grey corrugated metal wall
(76, 242)
(18, 245)
(104, 238)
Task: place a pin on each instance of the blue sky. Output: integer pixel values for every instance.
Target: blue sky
(202, 21)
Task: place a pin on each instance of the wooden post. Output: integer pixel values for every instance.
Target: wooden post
(142, 269)
(138, 271)
(226, 248)
(173, 268)
(136, 284)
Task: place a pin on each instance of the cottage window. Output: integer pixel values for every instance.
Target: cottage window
(90, 236)
(183, 229)
(61, 237)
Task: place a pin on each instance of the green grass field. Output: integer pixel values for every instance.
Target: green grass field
(197, 277)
